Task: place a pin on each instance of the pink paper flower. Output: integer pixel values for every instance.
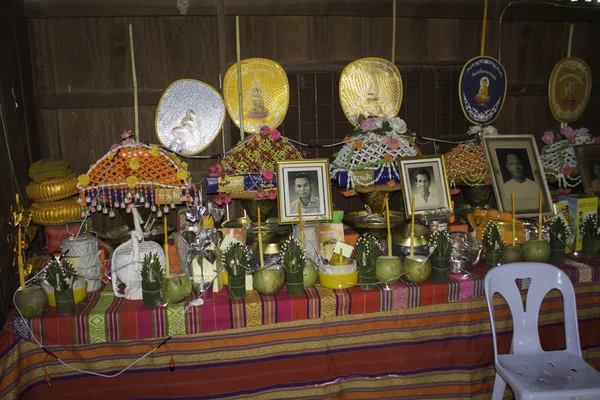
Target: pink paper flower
(597, 140)
(568, 132)
(215, 169)
(268, 175)
(274, 134)
(266, 129)
(272, 196)
(454, 191)
(564, 191)
(219, 201)
(227, 200)
(487, 181)
(129, 141)
(126, 134)
(114, 147)
(571, 140)
(548, 137)
(260, 194)
(567, 169)
(392, 143)
(368, 124)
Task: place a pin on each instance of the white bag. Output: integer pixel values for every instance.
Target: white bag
(127, 261)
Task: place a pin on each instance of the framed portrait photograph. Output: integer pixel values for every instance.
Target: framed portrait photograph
(304, 184)
(424, 178)
(588, 159)
(515, 166)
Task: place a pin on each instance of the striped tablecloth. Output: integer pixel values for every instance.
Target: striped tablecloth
(105, 318)
(441, 351)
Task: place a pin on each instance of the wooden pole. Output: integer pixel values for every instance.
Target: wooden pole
(136, 130)
(485, 9)
(239, 75)
(569, 45)
(393, 60)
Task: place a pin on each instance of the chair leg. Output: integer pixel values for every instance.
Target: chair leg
(499, 387)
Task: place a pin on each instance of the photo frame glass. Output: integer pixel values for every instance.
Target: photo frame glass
(515, 166)
(424, 178)
(304, 183)
(588, 159)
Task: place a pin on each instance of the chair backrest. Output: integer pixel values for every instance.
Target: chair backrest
(544, 277)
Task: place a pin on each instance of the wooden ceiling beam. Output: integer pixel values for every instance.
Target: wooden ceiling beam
(445, 9)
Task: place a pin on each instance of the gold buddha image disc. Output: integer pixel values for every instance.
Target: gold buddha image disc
(569, 89)
(265, 94)
(370, 87)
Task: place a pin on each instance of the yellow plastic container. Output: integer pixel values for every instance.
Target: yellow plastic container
(78, 295)
(338, 281)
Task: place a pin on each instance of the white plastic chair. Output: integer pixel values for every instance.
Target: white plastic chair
(531, 372)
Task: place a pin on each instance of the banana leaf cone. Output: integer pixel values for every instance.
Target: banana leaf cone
(557, 252)
(295, 283)
(440, 269)
(367, 277)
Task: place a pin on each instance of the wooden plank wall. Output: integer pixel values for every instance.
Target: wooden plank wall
(82, 74)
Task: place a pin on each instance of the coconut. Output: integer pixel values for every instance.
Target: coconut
(32, 301)
(511, 254)
(175, 288)
(310, 275)
(388, 269)
(417, 268)
(268, 281)
(536, 251)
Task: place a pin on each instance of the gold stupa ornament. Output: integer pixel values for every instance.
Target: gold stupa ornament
(370, 87)
(265, 94)
(569, 89)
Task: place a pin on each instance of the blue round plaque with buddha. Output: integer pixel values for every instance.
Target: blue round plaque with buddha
(482, 89)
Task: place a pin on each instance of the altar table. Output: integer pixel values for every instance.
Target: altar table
(427, 343)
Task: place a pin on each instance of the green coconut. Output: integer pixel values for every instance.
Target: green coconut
(268, 281)
(511, 254)
(176, 288)
(388, 269)
(536, 251)
(417, 268)
(32, 301)
(310, 275)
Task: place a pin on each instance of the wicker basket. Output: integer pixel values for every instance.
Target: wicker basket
(53, 189)
(56, 213)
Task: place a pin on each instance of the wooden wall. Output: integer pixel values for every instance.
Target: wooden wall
(83, 85)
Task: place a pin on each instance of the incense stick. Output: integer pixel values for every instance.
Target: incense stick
(514, 221)
(389, 229)
(20, 258)
(166, 245)
(301, 224)
(412, 228)
(540, 224)
(260, 246)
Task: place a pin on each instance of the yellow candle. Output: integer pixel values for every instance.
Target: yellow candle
(20, 259)
(514, 221)
(301, 225)
(389, 229)
(412, 227)
(167, 264)
(540, 224)
(260, 246)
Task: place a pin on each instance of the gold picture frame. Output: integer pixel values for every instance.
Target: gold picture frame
(424, 177)
(588, 156)
(512, 158)
(294, 179)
